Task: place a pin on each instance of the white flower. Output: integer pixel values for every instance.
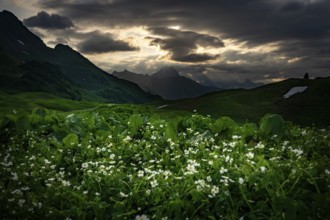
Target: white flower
(148, 192)
(232, 144)
(65, 183)
(21, 202)
(17, 191)
(250, 155)
(25, 188)
(262, 169)
(235, 137)
(97, 194)
(123, 195)
(15, 177)
(200, 184)
(85, 192)
(214, 191)
(327, 171)
(140, 173)
(141, 217)
(260, 145)
(241, 180)
(209, 179)
(298, 152)
(154, 183)
(191, 168)
(127, 139)
(223, 170)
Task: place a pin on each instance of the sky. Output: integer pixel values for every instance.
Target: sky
(222, 40)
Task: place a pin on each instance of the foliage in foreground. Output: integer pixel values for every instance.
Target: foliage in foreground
(110, 163)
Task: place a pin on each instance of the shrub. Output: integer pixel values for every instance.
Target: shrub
(272, 124)
(224, 125)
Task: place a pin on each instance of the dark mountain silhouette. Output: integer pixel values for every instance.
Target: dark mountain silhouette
(27, 64)
(167, 83)
(204, 80)
(166, 72)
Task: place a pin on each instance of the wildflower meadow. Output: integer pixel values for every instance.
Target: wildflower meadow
(114, 163)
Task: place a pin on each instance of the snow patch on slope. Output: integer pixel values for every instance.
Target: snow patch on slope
(20, 42)
(294, 90)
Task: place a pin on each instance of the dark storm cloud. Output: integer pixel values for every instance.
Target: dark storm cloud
(91, 42)
(196, 38)
(293, 6)
(182, 44)
(103, 44)
(301, 28)
(194, 57)
(48, 21)
(253, 20)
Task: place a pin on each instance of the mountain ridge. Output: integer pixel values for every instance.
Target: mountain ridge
(167, 83)
(79, 74)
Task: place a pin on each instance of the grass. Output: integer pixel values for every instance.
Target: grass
(311, 106)
(110, 161)
(25, 102)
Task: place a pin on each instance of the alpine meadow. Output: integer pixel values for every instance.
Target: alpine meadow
(164, 110)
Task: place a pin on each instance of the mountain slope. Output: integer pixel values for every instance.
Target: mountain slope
(60, 71)
(308, 107)
(167, 83)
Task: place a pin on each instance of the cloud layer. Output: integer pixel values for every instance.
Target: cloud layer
(182, 45)
(48, 21)
(103, 44)
(235, 35)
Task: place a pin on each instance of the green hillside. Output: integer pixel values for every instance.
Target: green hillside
(28, 65)
(310, 106)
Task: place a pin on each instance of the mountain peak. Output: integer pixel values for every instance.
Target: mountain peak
(8, 19)
(166, 72)
(63, 47)
(7, 13)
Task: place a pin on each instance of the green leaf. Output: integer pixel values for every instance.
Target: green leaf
(6, 122)
(40, 111)
(272, 125)
(134, 123)
(70, 140)
(22, 124)
(224, 125)
(170, 132)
